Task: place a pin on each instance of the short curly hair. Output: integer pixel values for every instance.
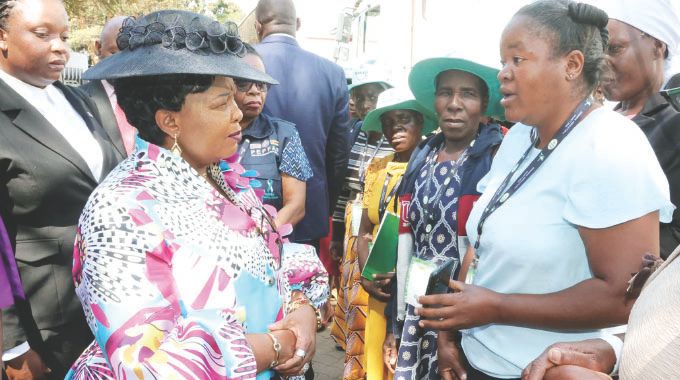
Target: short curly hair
(142, 97)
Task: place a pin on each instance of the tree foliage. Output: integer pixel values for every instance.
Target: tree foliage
(88, 17)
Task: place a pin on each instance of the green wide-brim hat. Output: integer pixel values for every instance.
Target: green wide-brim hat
(396, 99)
(177, 42)
(423, 77)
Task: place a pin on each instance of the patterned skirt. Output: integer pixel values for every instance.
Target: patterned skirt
(349, 320)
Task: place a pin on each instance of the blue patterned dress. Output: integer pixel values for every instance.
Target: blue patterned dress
(417, 357)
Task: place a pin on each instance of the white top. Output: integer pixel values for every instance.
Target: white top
(603, 173)
(57, 110)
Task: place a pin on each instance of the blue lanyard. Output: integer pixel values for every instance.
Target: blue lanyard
(506, 190)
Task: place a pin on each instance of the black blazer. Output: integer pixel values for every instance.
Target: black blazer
(95, 90)
(44, 184)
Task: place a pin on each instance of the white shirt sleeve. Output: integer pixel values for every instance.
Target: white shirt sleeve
(15, 352)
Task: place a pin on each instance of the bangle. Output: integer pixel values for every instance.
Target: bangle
(296, 303)
(277, 350)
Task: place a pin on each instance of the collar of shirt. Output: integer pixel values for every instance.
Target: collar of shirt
(110, 91)
(282, 34)
(260, 128)
(36, 96)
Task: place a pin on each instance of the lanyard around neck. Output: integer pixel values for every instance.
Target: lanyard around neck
(430, 204)
(362, 166)
(383, 201)
(506, 190)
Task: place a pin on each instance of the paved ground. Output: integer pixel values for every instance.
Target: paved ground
(328, 361)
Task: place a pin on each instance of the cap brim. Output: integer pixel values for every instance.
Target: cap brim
(372, 121)
(136, 63)
(422, 78)
(380, 82)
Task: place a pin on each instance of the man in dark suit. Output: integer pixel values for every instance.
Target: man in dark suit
(53, 153)
(102, 94)
(313, 95)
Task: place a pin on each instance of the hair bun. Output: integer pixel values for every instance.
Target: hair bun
(590, 15)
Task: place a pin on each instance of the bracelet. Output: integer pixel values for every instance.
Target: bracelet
(297, 303)
(302, 301)
(277, 350)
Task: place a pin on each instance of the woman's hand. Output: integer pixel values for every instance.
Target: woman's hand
(592, 354)
(379, 287)
(390, 351)
(335, 250)
(469, 306)
(448, 357)
(302, 322)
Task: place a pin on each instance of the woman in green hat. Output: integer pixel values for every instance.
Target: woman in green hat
(403, 121)
(441, 185)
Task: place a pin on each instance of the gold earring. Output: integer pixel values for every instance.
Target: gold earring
(175, 147)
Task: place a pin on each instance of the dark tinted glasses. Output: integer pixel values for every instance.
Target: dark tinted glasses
(245, 85)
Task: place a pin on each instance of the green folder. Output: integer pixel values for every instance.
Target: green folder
(382, 254)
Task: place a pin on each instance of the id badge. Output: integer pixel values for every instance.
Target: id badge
(416, 280)
(357, 210)
(472, 271)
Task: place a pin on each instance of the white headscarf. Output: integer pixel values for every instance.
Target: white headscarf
(658, 18)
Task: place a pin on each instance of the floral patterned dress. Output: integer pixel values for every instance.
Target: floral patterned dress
(172, 275)
(436, 238)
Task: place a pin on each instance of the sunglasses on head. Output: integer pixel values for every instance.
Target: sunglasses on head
(246, 85)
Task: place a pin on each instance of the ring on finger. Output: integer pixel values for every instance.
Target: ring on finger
(304, 369)
(300, 353)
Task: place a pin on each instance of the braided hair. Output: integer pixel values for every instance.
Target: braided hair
(5, 8)
(573, 26)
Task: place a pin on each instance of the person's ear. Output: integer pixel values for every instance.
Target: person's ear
(98, 49)
(3, 40)
(574, 62)
(258, 30)
(297, 24)
(660, 49)
(167, 121)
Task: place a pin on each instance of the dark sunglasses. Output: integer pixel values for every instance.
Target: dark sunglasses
(246, 85)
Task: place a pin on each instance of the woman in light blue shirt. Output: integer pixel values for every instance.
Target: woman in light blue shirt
(569, 208)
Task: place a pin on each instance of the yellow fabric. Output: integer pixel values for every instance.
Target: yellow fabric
(376, 323)
(352, 307)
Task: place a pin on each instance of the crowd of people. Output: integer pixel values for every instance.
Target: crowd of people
(193, 210)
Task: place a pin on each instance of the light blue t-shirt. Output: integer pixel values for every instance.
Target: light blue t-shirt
(603, 173)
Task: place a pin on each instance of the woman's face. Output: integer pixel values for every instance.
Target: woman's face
(402, 128)
(459, 104)
(208, 124)
(34, 42)
(250, 96)
(631, 57)
(530, 78)
(365, 98)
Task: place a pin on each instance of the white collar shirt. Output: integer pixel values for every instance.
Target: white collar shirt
(56, 109)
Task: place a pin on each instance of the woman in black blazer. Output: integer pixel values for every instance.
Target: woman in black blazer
(53, 153)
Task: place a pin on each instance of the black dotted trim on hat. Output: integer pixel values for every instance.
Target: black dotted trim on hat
(214, 38)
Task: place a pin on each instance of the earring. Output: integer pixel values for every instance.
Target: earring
(175, 147)
(570, 76)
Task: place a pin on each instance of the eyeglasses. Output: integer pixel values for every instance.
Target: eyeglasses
(246, 85)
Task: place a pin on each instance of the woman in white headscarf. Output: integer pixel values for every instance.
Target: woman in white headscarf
(643, 41)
